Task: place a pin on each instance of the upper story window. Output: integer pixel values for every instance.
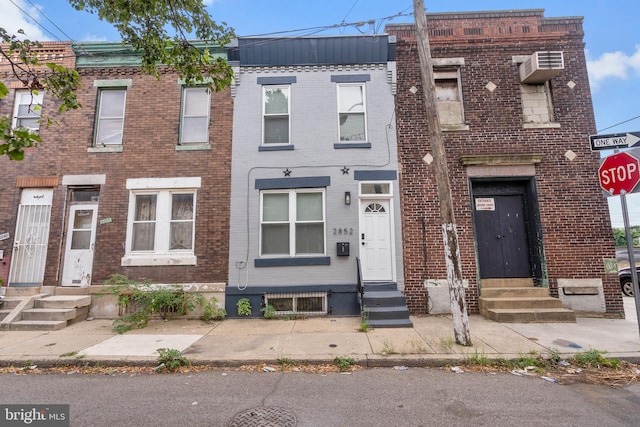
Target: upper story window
(27, 110)
(449, 98)
(535, 72)
(352, 112)
(292, 222)
(276, 105)
(110, 116)
(194, 123)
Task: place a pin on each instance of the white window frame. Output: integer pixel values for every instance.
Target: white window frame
(100, 118)
(292, 221)
(364, 112)
(265, 88)
(164, 189)
(36, 99)
(183, 115)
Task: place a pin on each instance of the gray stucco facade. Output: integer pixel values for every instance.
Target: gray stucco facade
(313, 158)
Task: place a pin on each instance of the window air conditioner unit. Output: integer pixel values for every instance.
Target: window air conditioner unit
(540, 67)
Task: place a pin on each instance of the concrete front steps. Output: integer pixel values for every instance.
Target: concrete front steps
(384, 306)
(28, 309)
(519, 301)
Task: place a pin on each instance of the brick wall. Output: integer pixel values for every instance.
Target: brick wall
(576, 229)
(151, 130)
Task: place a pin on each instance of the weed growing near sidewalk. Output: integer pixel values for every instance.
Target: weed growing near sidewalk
(343, 363)
(137, 301)
(171, 359)
(244, 307)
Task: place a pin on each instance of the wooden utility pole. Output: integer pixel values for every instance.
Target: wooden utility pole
(449, 231)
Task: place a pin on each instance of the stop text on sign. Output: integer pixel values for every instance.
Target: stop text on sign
(618, 174)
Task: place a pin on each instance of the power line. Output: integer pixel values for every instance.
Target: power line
(35, 20)
(618, 124)
(54, 24)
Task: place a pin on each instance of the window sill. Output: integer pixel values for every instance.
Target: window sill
(193, 147)
(292, 262)
(348, 145)
(105, 149)
(276, 148)
(158, 259)
(549, 125)
(454, 128)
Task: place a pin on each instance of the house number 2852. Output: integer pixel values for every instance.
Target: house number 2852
(341, 231)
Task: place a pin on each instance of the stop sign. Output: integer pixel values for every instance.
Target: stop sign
(619, 173)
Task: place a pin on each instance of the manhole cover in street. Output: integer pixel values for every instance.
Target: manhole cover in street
(264, 416)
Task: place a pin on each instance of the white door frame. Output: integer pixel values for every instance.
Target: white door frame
(78, 262)
(387, 202)
(31, 239)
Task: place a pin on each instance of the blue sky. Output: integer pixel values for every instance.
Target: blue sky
(611, 36)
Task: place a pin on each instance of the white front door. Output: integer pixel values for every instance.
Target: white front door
(376, 254)
(81, 237)
(31, 238)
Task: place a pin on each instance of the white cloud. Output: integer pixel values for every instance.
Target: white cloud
(616, 65)
(12, 19)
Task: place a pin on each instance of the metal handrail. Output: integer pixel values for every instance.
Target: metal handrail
(360, 286)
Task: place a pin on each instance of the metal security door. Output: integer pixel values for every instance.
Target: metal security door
(503, 251)
(81, 236)
(375, 240)
(31, 238)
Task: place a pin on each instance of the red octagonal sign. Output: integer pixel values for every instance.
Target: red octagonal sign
(619, 173)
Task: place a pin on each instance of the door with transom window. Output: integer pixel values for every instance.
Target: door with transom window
(81, 237)
(376, 248)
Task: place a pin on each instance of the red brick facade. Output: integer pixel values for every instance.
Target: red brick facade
(150, 136)
(575, 226)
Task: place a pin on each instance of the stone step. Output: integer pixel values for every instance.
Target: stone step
(386, 313)
(538, 315)
(4, 312)
(523, 282)
(10, 302)
(41, 314)
(520, 302)
(383, 299)
(37, 325)
(22, 291)
(514, 292)
(390, 323)
(380, 286)
(63, 301)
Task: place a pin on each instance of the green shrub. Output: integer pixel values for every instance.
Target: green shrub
(244, 307)
(268, 312)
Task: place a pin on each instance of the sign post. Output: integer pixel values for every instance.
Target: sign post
(619, 174)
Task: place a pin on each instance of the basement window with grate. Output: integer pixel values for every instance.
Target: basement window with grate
(306, 303)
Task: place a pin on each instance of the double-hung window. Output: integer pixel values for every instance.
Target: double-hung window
(352, 112)
(27, 110)
(194, 123)
(161, 226)
(276, 105)
(110, 116)
(292, 222)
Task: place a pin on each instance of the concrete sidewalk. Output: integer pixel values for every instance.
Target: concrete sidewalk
(235, 342)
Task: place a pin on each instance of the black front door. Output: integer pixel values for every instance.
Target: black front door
(501, 233)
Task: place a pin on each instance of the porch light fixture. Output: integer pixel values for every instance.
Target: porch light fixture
(347, 198)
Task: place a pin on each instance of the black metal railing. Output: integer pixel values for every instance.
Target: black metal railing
(360, 286)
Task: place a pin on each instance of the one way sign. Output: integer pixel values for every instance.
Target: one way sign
(614, 140)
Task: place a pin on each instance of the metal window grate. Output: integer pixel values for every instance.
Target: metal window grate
(298, 303)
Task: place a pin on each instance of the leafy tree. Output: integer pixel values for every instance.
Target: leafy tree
(620, 236)
(144, 25)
